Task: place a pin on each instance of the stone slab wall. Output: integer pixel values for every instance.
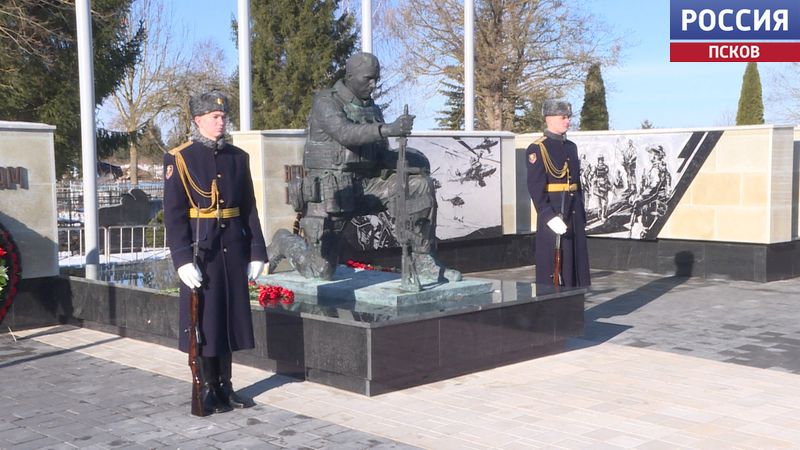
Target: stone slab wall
(744, 191)
(28, 204)
(270, 151)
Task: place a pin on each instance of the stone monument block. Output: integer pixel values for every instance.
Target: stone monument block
(28, 194)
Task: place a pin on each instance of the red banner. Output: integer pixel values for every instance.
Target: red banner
(734, 51)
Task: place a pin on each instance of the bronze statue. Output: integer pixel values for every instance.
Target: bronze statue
(349, 171)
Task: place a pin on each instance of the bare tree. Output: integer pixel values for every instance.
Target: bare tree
(147, 91)
(32, 33)
(203, 72)
(784, 92)
(525, 51)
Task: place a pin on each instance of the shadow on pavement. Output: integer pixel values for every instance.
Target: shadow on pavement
(21, 356)
(596, 331)
(274, 381)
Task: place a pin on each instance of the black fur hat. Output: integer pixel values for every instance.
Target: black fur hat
(556, 108)
(207, 102)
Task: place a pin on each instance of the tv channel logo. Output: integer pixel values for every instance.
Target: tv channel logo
(734, 30)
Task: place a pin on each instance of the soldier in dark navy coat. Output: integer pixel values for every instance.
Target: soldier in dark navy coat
(554, 185)
(209, 198)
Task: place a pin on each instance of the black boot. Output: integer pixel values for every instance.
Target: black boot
(225, 390)
(211, 401)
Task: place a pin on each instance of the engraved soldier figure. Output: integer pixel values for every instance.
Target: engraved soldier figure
(216, 244)
(349, 171)
(629, 164)
(654, 189)
(602, 185)
(554, 186)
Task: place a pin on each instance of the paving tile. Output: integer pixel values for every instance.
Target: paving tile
(663, 363)
(69, 399)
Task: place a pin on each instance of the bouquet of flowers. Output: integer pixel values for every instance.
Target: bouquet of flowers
(364, 266)
(10, 270)
(269, 295)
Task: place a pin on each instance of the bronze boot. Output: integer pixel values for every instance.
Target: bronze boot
(430, 270)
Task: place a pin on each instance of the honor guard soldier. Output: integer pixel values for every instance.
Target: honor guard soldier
(216, 243)
(554, 185)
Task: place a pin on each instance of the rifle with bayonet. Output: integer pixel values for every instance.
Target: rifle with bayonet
(558, 279)
(409, 278)
(195, 340)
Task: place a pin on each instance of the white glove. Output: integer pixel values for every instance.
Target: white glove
(190, 275)
(254, 269)
(557, 225)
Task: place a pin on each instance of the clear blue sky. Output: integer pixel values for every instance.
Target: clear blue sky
(644, 85)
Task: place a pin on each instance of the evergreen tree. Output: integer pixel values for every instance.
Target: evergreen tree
(451, 118)
(594, 115)
(298, 46)
(528, 117)
(42, 85)
(751, 107)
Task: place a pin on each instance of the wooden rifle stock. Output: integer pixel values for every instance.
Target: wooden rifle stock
(194, 336)
(194, 357)
(557, 281)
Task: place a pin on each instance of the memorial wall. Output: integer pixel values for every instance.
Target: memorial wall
(732, 184)
(714, 202)
(28, 195)
(466, 169)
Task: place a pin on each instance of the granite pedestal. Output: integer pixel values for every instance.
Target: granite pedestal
(374, 348)
(374, 288)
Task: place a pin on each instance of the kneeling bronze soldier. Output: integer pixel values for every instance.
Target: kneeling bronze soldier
(349, 171)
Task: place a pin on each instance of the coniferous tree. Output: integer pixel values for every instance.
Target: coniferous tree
(751, 106)
(298, 47)
(594, 114)
(39, 80)
(451, 118)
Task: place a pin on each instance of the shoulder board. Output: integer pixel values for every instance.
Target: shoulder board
(540, 140)
(177, 149)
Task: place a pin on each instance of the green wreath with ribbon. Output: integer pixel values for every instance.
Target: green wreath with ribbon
(10, 269)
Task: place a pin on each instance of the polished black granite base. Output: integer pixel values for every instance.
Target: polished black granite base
(706, 259)
(364, 348)
(370, 350)
(727, 260)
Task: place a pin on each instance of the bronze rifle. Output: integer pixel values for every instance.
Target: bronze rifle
(409, 279)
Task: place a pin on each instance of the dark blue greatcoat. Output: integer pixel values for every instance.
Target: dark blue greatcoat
(226, 245)
(574, 255)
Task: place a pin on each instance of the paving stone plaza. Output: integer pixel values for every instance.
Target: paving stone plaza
(664, 363)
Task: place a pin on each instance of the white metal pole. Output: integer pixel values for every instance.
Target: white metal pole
(366, 26)
(469, 65)
(83, 16)
(245, 81)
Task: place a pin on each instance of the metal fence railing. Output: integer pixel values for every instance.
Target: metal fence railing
(117, 244)
(69, 197)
